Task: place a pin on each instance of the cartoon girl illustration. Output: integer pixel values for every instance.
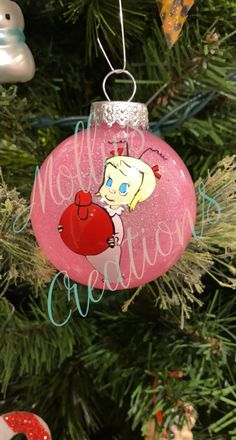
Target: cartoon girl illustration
(127, 182)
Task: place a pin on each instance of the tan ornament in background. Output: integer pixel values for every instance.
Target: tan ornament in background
(151, 433)
(179, 434)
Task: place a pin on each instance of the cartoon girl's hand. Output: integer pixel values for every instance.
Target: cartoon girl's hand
(112, 241)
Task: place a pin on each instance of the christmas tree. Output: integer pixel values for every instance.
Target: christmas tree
(144, 362)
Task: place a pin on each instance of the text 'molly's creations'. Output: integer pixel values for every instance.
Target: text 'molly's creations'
(113, 206)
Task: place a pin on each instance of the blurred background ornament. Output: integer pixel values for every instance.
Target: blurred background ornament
(175, 432)
(16, 60)
(29, 424)
(185, 433)
(173, 15)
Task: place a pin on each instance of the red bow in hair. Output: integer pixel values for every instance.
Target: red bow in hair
(117, 152)
(155, 169)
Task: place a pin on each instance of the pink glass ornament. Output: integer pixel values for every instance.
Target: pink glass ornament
(26, 423)
(141, 183)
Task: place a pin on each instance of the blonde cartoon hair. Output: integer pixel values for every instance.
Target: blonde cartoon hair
(148, 177)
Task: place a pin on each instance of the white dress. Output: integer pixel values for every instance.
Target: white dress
(107, 263)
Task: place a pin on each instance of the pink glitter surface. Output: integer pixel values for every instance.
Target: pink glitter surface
(155, 233)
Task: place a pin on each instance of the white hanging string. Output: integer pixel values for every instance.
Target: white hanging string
(104, 53)
(123, 40)
(123, 34)
(113, 70)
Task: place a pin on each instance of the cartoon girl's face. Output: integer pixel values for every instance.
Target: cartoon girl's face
(120, 185)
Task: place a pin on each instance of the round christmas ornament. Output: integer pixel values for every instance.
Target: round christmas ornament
(113, 206)
(26, 423)
(16, 60)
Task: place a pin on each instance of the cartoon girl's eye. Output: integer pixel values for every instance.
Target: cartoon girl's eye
(109, 182)
(123, 189)
(7, 16)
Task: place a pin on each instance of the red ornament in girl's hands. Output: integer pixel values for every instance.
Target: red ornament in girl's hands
(86, 227)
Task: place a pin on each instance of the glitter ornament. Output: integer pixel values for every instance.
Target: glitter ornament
(26, 423)
(16, 60)
(173, 15)
(118, 191)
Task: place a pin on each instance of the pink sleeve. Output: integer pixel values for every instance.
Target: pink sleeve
(119, 229)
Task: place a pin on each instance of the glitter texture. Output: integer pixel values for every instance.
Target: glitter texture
(156, 232)
(28, 424)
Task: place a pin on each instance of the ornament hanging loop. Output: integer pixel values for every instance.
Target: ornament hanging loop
(119, 72)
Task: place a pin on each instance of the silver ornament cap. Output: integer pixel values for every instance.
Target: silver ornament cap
(123, 113)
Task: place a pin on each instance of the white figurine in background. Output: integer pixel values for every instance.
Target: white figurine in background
(16, 60)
